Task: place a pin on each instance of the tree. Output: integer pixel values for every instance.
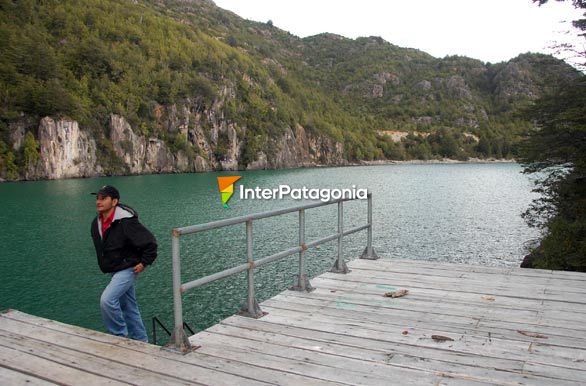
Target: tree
(556, 149)
(484, 146)
(10, 166)
(31, 150)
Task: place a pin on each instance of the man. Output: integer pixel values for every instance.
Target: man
(124, 248)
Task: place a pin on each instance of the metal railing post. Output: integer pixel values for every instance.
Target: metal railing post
(251, 307)
(302, 280)
(179, 341)
(340, 265)
(369, 253)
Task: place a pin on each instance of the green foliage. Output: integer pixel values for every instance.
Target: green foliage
(253, 144)
(563, 247)
(87, 59)
(556, 149)
(3, 151)
(180, 143)
(222, 145)
(8, 166)
(76, 58)
(110, 161)
(31, 150)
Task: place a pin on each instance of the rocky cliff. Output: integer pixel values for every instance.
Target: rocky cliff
(65, 152)
(68, 151)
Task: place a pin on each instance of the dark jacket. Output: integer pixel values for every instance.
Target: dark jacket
(126, 242)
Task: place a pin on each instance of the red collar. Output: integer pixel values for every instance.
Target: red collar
(107, 222)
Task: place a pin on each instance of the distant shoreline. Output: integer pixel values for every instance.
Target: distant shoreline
(434, 161)
(446, 161)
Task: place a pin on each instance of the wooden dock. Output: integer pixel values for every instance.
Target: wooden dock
(509, 326)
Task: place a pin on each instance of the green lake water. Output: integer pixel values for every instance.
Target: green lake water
(468, 213)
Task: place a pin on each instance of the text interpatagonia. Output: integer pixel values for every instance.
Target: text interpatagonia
(304, 193)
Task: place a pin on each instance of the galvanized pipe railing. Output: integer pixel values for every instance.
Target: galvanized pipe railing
(179, 341)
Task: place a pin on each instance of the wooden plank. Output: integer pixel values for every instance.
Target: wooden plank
(443, 298)
(423, 322)
(479, 325)
(307, 363)
(16, 378)
(85, 362)
(487, 314)
(499, 290)
(382, 344)
(115, 351)
(545, 318)
(495, 287)
(387, 348)
(334, 368)
(536, 274)
(251, 374)
(415, 271)
(481, 369)
(463, 343)
(413, 266)
(446, 296)
(49, 370)
(475, 268)
(132, 375)
(416, 302)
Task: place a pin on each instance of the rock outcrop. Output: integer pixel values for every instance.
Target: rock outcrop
(131, 148)
(65, 151)
(142, 156)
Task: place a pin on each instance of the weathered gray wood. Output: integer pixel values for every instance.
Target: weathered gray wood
(140, 357)
(16, 378)
(320, 365)
(566, 284)
(497, 290)
(486, 314)
(373, 349)
(559, 310)
(562, 278)
(416, 264)
(307, 363)
(422, 298)
(495, 287)
(416, 302)
(474, 325)
(85, 362)
(502, 371)
(497, 348)
(345, 332)
(248, 374)
(49, 370)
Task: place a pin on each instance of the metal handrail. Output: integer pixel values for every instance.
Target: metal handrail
(179, 341)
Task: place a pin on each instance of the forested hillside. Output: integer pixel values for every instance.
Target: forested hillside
(115, 87)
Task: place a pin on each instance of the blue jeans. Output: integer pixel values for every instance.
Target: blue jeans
(119, 308)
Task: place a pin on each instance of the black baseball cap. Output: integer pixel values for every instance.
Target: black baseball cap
(107, 191)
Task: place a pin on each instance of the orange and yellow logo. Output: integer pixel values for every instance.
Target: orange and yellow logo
(226, 185)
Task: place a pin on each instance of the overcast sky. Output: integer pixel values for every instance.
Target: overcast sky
(489, 30)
